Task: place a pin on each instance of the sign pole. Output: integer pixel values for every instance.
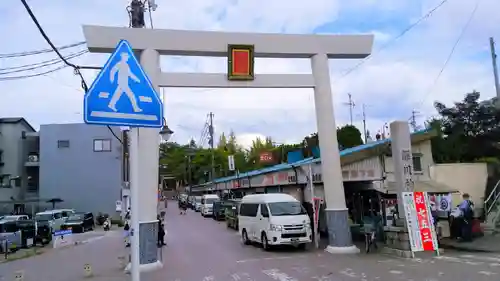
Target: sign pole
(313, 204)
(134, 194)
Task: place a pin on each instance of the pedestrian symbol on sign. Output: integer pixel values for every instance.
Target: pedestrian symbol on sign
(124, 73)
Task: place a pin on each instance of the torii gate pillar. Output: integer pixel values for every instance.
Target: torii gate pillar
(319, 48)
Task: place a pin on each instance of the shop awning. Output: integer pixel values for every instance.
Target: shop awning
(424, 186)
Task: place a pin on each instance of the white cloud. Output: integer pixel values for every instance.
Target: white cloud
(391, 84)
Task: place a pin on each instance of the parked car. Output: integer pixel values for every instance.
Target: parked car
(197, 203)
(274, 219)
(231, 211)
(218, 210)
(207, 202)
(55, 217)
(10, 233)
(79, 222)
(28, 229)
(44, 232)
(14, 217)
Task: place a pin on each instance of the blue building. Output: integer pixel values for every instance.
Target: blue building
(81, 165)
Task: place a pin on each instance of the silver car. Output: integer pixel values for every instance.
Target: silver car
(10, 235)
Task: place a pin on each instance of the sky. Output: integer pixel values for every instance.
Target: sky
(402, 74)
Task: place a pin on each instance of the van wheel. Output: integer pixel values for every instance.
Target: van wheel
(244, 237)
(265, 244)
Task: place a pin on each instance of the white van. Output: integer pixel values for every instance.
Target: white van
(55, 217)
(274, 219)
(207, 201)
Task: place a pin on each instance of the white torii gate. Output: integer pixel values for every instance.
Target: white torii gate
(319, 48)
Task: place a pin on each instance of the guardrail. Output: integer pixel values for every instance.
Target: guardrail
(494, 196)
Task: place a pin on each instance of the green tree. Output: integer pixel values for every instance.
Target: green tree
(469, 130)
(349, 136)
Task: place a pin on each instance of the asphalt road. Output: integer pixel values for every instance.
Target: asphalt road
(99, 249)
(201, 249)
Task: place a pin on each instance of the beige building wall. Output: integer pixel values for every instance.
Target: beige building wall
(424, 151)
(468, 178)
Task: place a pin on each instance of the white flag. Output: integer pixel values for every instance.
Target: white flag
(230, 162)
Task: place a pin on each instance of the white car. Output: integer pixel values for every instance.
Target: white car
(55, 217)
(207, 202)
(14, 218)
(197, 203)
(274, 219)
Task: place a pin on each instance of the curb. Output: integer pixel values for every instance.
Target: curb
(466, 249)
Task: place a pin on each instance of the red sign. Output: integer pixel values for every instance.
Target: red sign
(240, 62)
(266, 157)
(236, 184)
(424, 221)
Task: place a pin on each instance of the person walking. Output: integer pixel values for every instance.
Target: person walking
(161, 233)
(467, 208)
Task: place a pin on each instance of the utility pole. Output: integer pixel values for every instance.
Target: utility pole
(495, 69)
(136, 11)
(351, 105)
(211, 142)
(364, 123)
(413, 120)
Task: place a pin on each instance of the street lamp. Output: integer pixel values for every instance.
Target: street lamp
(165, 132)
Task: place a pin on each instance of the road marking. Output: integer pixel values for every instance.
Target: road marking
(241, 276)
(487, 273)
(276, 274)
(208, 278)
(484, 258)
(92, 239)
(271, 258)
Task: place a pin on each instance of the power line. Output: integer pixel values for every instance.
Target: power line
(8, 78)
(75, 68)
(403, 33)
(37, 52)
(37, 65)
(204, 134)
(452, 51)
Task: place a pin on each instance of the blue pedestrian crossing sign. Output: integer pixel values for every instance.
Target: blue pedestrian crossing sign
(122, 94)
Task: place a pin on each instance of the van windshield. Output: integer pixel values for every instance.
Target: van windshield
(197, 199)
(286, 209)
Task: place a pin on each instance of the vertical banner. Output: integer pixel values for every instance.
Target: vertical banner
(419, 223)
(411, 221)
(230, 162)
(427, 231)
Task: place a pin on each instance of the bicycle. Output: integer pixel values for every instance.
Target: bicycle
(370, 240)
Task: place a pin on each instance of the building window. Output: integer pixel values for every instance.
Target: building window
(102, 145)
(62, 143)
(417, 163)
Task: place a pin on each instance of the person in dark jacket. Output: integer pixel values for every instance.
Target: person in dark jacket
(467, 208)
(161, 232)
